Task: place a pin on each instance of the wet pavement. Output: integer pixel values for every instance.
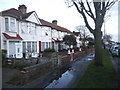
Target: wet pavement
(65, 79)
(70, 78)
(116, 63)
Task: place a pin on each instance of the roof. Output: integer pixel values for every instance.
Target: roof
(19, 15)
(59, 28)
(11, 37)
(16, 13)
(26, 15)
(12, 12)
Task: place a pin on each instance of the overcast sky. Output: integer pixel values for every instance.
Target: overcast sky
(57, 10)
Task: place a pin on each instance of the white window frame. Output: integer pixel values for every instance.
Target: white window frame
(12, 24)
(7, 24)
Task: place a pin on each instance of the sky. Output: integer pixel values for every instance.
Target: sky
(67, 17)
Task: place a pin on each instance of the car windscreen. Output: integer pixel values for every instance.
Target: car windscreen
(116, 47)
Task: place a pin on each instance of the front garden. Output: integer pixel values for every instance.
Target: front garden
(30, 69)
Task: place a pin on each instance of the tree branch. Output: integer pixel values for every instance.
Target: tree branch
(109, 5)
(85, 19)
(89, 12)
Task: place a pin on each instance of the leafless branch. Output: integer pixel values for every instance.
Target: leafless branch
(84, 16)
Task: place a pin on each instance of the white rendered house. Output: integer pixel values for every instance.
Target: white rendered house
(23, 34)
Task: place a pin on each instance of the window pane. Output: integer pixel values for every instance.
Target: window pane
(6, 24)
(33, 29)
(24, 47)
(35, 46)
(12, 23)
(46, 44)
(29, 46)
(43, 45)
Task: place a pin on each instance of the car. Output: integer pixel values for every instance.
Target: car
(114, 50)
(119, 50)
(111, 46)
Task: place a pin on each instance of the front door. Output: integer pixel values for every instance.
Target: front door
(18, 49)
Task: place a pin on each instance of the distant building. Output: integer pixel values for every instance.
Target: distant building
(24, 33)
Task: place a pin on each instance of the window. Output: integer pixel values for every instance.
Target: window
(34, 46)
(43, 46)
(43, 33)
(6, 24)
(18, 50)
(24, 29)
(12, 24)
(33, 29)
(47, 44)
(28, 27)
(24, 47)
(29, 46)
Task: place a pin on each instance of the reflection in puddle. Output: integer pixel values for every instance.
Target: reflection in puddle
(62, 81)
(65, 75)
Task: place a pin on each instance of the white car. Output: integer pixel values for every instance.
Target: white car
(115, 50)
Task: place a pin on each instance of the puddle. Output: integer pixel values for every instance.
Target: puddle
(64, 76)
(62, 81)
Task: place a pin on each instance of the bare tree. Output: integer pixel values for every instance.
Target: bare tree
(96, 10)
(84, 35)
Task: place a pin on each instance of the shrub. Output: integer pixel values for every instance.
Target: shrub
(49, 50)
(21, 65)
(4, 54)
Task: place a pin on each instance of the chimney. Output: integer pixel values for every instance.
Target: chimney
(22, 8)
(54, 22)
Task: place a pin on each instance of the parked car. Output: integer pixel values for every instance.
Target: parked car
(114, 50)
(119, 50)
(111, 46)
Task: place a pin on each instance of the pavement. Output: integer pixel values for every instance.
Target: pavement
(68, 79)
(116, 65)
(71, 77)
(6, 76)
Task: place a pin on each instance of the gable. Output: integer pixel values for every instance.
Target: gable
(34, 18)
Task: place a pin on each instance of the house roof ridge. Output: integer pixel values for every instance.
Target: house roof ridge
(54, 26)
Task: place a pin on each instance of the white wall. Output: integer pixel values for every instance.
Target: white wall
(33, 18)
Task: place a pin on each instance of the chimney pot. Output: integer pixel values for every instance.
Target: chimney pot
(22, 8)
(54, 22)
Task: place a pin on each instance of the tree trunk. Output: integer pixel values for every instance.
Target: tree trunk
(98, 48)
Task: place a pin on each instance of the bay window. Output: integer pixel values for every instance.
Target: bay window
(10, 24)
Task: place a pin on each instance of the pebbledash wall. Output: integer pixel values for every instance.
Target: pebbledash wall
(24, 34)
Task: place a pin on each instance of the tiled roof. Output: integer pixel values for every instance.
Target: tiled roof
(26, 15)
(19, 15)
(11, 37)
(59, 28)
(16, 13)
(12, 12)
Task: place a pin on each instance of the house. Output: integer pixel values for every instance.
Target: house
(24, 34)
(57, 34)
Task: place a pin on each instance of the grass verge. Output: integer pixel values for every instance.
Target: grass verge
(99, 77)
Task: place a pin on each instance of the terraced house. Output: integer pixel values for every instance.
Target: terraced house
(24, 33)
